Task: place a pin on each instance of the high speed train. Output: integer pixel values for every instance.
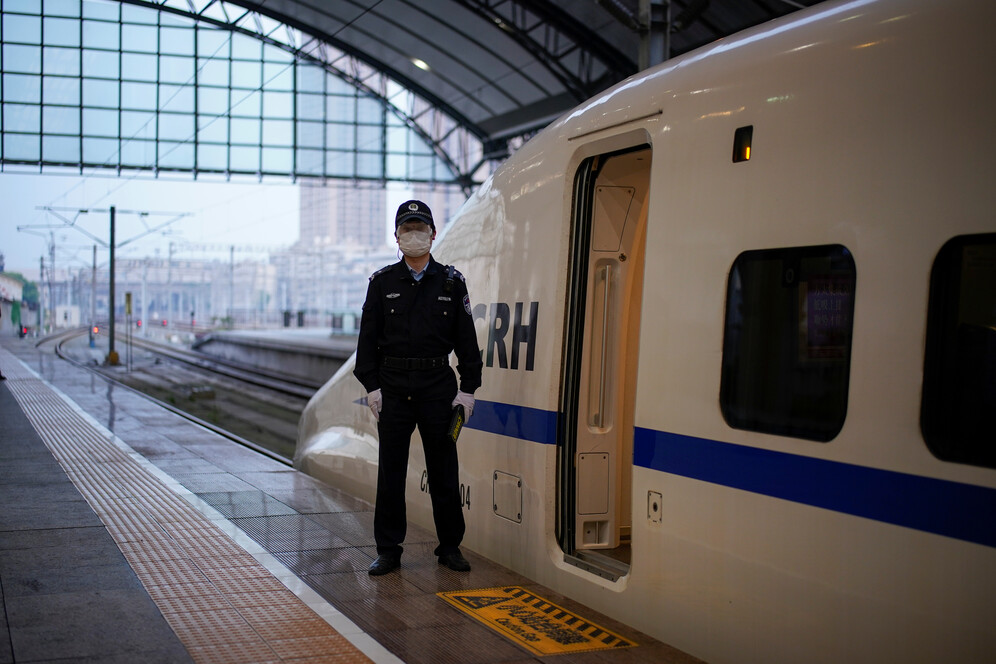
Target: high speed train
(738, 321)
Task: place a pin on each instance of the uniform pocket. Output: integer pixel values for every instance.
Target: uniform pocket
(443, 314)
(395, 317)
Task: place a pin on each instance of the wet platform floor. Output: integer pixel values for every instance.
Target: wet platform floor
(131, 534)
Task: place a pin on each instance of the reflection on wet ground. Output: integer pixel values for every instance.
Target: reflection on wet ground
(261, 417)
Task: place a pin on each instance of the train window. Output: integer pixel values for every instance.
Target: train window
(959, 376)
(787, 341)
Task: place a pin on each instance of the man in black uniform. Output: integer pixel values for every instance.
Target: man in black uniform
(417, 312)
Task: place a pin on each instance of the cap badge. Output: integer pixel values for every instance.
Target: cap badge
(413, 207)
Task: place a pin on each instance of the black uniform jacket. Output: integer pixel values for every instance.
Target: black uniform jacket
(404, 318)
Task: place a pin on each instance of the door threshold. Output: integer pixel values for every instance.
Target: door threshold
(598, 563)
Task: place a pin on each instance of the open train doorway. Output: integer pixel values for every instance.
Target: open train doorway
(601, 355)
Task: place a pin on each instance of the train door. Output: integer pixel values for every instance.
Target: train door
(595, 435)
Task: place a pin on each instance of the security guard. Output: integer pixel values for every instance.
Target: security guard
(417, 312)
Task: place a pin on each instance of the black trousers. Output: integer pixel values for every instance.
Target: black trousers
(398, 420)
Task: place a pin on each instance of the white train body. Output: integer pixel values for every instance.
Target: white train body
(604, 420)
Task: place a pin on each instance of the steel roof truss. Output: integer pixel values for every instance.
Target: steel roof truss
(361, 75)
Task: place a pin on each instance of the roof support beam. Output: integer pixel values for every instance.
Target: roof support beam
(655, 32)
(343, 61)
(578, 57)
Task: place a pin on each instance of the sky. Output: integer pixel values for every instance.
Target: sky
(247, 215)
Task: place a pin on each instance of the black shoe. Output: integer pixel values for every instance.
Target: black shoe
(455, 562)
(383, 565)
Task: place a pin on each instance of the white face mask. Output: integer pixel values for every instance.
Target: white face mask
(415, 243)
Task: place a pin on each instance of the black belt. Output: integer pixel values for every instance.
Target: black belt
(415, 363)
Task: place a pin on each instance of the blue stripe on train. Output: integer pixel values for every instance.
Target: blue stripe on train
(963, 511)
(532, 424)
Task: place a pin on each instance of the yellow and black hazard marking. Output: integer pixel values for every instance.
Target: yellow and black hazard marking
(534, 623)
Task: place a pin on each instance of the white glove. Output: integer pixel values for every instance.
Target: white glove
(375, 401)
(465, 400)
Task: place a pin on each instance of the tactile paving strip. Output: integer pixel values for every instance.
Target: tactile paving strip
(246, 503)
(280, 534)
(223, 605)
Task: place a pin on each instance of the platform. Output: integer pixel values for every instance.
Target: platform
(131, 534)
(309, 355)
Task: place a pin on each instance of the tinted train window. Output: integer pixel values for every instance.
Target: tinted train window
(787, 343)
(959, 377)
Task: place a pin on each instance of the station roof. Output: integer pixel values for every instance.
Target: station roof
(505, 68)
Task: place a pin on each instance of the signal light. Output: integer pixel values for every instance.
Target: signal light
(139, 322)
(96, 329)
(742, 139)
(164, 322)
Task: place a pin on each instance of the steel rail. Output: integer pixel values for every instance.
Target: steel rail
(62, 338)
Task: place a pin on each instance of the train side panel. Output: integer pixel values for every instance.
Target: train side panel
(746, 546)
(846, 151)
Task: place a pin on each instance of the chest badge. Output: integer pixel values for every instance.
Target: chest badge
(444, 298)
(391, 296)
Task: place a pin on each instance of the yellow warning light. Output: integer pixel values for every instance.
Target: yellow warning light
(741, 143)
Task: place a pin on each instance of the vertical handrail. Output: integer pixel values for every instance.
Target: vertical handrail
(600, 416)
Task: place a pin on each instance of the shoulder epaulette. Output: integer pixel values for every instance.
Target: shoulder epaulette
(381, 271)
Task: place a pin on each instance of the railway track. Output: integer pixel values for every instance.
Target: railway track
(244, 373)
(238, 402)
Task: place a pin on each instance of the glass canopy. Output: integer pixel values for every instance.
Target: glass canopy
(94, 84)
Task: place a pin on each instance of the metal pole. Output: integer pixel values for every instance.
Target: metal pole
(42, 300)
(93, 297)
(112, 356)
(169, 287)
(143, 310)
(655, 37)
(52, 322)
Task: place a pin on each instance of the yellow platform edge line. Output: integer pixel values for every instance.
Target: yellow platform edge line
(87, 454)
